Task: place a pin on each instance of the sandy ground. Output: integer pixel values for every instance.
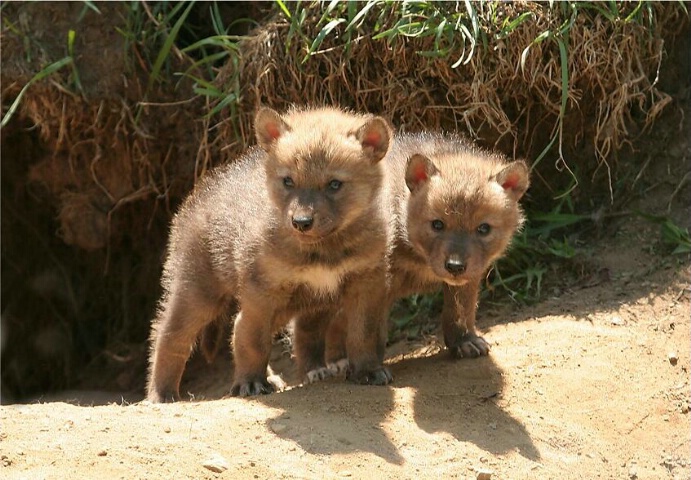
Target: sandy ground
(592, 382)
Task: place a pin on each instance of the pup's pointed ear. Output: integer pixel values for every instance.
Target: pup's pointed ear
(418, 171)
(514, 179)
(375, 137)
(269, 127)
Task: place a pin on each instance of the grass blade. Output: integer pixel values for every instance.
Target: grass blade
(466, 59)
(473, 18)
(221, 41)
(230, 98)
(538, 39)
(167, 46)
(71, 35)
(322, 35)
(283, 8)
(356, 21)
(49, 70)
(513, 24)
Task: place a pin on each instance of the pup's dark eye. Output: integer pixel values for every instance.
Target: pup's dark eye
(437, 225)
(483, 229)
(288, 182)
(335, 185)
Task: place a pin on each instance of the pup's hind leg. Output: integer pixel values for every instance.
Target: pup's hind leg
(181, 318)
(216, 333)
(310, 332)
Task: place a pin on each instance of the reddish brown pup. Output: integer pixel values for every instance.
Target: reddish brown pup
(294, 228)
(456, 214)
(455, 209)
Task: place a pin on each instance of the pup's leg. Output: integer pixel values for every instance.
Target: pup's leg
(181, 318)
(252, 338)
(310, 331)
(364, 302)
(215, 333)
(335, 353)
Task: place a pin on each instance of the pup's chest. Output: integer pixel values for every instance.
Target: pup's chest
(318, 275)
(320, 280)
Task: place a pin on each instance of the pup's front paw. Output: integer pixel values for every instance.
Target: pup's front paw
(259, 385)
(469, 346)
(375, 376)
(165, 396)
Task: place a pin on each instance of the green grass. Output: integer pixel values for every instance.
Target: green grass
(405, 318)
(170, 37)
(44, 73)
(675, 238)
(543, 243)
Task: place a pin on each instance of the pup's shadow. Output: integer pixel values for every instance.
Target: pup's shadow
(335, 417)
(462, 397)
(459, 397)
(323, 418)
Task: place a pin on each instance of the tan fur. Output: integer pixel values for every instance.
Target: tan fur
(307, 247)
(437, 177)
(466, 189)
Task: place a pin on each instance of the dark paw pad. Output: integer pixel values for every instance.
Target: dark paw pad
(470, 346)
(377, 376)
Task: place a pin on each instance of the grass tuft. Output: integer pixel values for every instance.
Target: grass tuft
(676, 238)
(44, 73)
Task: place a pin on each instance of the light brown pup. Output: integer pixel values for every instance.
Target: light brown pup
(455, 209)
(295, 227)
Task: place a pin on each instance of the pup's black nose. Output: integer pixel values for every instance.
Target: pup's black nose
(302, 223)
(454, 266)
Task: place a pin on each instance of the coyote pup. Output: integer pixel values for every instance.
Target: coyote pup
(293, 228)
(455, 214)
(455, 208)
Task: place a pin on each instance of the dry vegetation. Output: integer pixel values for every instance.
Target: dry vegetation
(146, 97)
(529, 74)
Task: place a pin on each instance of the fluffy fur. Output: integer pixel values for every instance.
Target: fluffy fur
(294, 228)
